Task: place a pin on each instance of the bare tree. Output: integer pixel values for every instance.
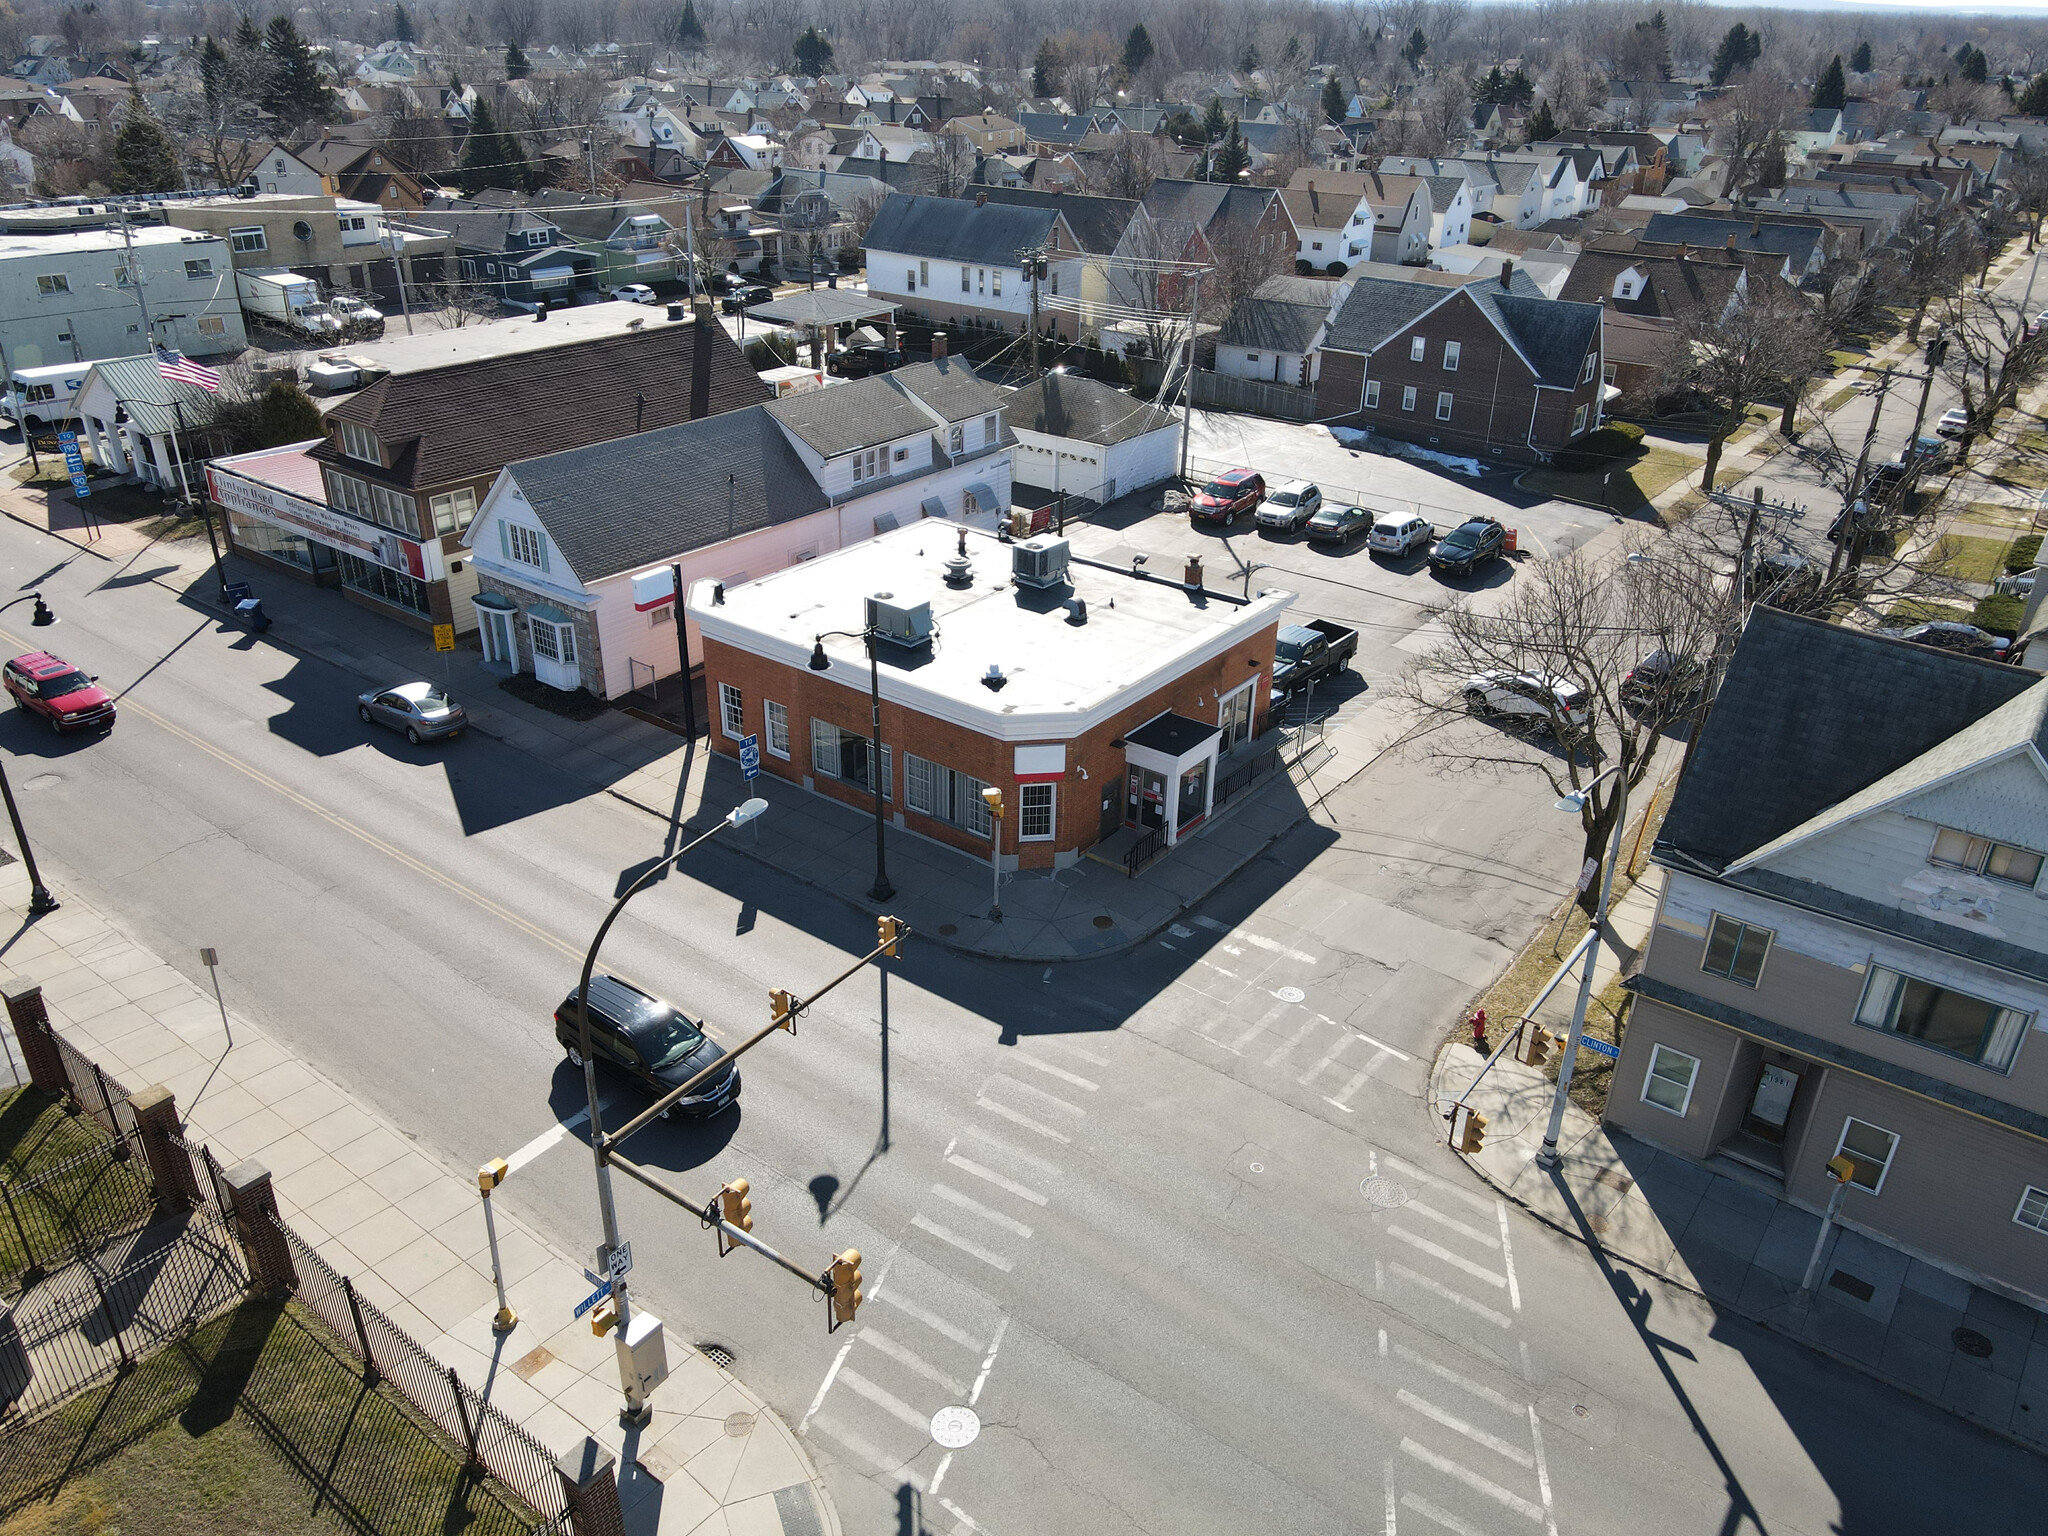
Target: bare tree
(1750, 125)
(950, 163)
(1930, 261)
(1990, 356)
(1768, 344)
(1091, 64)
(1128, 167)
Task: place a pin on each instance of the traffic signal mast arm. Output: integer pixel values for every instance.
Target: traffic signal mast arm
(785, 1018)
(709, 1215)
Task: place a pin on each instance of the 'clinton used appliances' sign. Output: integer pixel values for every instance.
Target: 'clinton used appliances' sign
(315, 519)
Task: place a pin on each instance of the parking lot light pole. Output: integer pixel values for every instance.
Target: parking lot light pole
(636, 1408)
(40, 901)
(1548, 1156)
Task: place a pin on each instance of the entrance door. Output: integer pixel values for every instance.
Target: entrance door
(497, 636)
(1194, 795)
(1145, 799)
(1236, 718)
(1112, 815)
(1771, 1103)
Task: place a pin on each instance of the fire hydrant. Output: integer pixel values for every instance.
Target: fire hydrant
(1478, 1023)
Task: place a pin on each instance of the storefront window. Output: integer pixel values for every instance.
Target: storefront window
(261, 538)
(381, 582)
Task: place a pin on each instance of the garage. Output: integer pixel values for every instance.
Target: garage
(1083, 438)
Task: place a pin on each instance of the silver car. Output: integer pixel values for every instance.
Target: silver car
(421, 710)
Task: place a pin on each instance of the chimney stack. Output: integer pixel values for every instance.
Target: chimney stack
(700, 361)
(1731, 250)
(1192, 577)
(1756, 228)
(938, 345)
(1507, 273)
(981, 199)
(1684, 251)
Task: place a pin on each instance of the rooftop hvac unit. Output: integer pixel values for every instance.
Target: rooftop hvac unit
(1040, 562)
(899, 620)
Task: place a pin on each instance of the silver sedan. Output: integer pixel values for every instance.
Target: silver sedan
(421, 710)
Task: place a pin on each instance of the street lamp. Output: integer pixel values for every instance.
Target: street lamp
(636, 1409)
(40, 901)
(1575, 802)
(881, 890)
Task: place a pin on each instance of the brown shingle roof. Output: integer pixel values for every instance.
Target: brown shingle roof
(443, 425)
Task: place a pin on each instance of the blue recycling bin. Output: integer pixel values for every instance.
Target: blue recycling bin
(250, 611)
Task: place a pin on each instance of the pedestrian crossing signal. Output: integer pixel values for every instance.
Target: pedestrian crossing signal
(735, 1210)
(845, 1291)
(1475, 1132)
(889, 936)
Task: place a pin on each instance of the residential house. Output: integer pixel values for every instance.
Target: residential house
(1802, 241)
(350, 163)
(1248, 223)
(989, 132)
(1450, 210)
(1674, 292)
(1275, 334)
(1850, 959)
(629, 242)
(1815, 129)
(518, 253)
(1485, 367)
(1117, 233)
(1078, 437)
(68, 298)
(134, 421)
(1389, 220)
(953, 261)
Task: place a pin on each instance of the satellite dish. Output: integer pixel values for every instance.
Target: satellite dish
(303, 230)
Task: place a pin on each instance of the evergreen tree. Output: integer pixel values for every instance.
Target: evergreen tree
(1656, 25)
(1860, 59)
(1831, 90)
(1334, 100)
(1413, 50)
(490, 158)
(145, 157)
(1974, 66)
(2033, 100)
(248, 37)
(1137, 50)
(402, 29)
(294, 90)
(813, 53)
(1214, 124)
(1233, 159)
(213, 71)
(1542, 125)
(1739, 49)
(287, 414)
(517, 66)
(690, 31)
(1521, 89)
(1045, 69)
(1248, 60)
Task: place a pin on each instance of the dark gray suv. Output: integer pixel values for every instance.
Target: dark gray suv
(650, 1041)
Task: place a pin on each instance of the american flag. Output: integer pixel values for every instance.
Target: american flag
(182, 370)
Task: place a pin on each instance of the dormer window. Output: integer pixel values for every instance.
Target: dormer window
(1981, 856)
(536, 237)
(1628, 284)
(359, 443)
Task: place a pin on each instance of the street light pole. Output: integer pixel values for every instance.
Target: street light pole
(881, 890)
(1548, 1156)
(40, 901)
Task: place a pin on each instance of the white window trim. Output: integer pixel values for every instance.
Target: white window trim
(731, 703)
(1452, 352)
(1407, 397)
(1890, 1157)
(1372, 394)
(1578, 420)
(771, 712)
(1418, 349)
(2019, 1210)
(1443, 405)
(1052, 813)
(1657, 1052)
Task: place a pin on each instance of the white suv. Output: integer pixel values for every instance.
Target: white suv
(1289, 505)
(1399, 533)
(1540, 701)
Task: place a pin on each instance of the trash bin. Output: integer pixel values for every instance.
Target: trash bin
(235, 593)
(250, 611)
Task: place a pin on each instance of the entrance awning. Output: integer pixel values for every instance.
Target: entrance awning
(1172, 736)
(931, 506)
(984, 498)
(495, 600)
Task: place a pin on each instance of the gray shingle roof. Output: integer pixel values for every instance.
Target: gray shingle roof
(1825, 711)
(952, 229)
(1554, 334)
(668, 492)
(149, 396)
(1443, 191)
(1098, 223)
(1068, 405)
(1701, 229)
(1380, 307)
(849, 416)
(950, 386)
(1281, 315)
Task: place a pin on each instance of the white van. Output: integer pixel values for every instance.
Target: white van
(43, 398)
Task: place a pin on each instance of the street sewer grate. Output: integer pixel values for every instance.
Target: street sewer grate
(1970, 1342)
(1384, 1193)
(1104, 920)
(719, 1355)
(739, 1425)
(1849, 1285)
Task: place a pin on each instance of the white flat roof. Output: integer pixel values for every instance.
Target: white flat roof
(77, 240)
(1062, 677)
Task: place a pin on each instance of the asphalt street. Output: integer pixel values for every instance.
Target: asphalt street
(1176, 1223)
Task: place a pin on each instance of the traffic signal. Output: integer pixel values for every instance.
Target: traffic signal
(994, 799)
(492, 1174)
(889, 936)
(1539, 1046)
(605, 1318)
(736, 1210)
(782, 1007)
(1475, 1132)
(845, 1279)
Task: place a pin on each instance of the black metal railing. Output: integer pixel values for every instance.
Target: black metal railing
(69, 1207)
(1150, 844)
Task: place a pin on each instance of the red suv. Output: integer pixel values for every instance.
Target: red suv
(51, 687)
(1228, 496)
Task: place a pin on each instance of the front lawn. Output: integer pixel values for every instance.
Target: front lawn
(1636, 481)
(1969, 559)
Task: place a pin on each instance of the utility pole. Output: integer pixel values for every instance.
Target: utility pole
(690, 252)
(1187, 384)
(1034, 264)
(135, 277)
(398, 272)
(1853, 497)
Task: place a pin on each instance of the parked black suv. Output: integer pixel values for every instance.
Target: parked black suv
(738, 299)
(862, 359)
(650, 1041)
(1468, 546)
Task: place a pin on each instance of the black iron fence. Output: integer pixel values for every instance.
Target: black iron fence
(94, 1091)
(71, 1207)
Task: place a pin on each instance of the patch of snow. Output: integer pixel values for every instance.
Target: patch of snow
(1359, 439)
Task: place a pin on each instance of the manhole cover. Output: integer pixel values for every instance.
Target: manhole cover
(1105, 921)
(739, 1425)
(1385, 1193)
(718, 1354)
(955, 1427)
(1970, 1342)
(43, 781)
(1290, 994)
(947, 930)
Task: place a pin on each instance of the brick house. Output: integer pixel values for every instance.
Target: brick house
(1096, 698)
(1486, 367)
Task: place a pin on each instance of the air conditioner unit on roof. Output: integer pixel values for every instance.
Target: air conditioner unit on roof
(1040, 562)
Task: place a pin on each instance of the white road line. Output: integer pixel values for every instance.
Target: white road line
(1026, 1121)
(1328, 1056)
(1430, 1213)
(1442, 1517)
(989, 1175)
(1472, 1480)
(1258, 941)
(1271, 1016)
(939, 1472)
(1068, 1045)
(1052, 1071)
(1050, 1170)
(869, 1454)
(1456, 1192)
(1472, 1432)
(988, 1362)
(1381, 1045)
(826, 1385)
(973, 1250)
(1034, 1092)
(952, 1196)
(551, 1137)
(1445, 1373)
(933, 1321)
(1357, 1082)
(1345, 1107)
(1455, 1260)
(1293, 1040)
(1542, 1470)
(1456, 1298)
(1393, 1511)
(908, 1358)
(887, 1401)
(958, 1514)
(1507, 1254)
(1383, 1343)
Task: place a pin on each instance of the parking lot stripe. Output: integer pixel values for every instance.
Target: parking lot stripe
(972, 1249)
(1456, 1425)
(1472, 1480)
(952, 1196)
(989, 1175)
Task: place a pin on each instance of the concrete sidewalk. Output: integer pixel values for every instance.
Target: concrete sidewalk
(1725, 1234)
(406, 1229)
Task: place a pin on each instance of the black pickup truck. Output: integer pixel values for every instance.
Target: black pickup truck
(1306, 653)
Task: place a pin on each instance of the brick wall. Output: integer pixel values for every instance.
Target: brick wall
(589, 654)
(1078, 804)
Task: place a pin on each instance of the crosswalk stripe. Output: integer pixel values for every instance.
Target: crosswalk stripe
(952, 1196)
(1287, 1048)
(1430, 1213)
(979, 1133)
(886, 1400)
(989, 1175)
(1455, 1260)
(1329, 1056)
(1026, 1121)
(908, 1358)
(1035, 1093)
(1442, 1517)
(1271, 1016)
(1256, 940)
(947, 1235)
(1477, 1202)
(1473, 1480)
(1456, 1298)
(1052, 1071)
(877, 1459)
(933, 1321)
(1342, 1096)
(1472, 1432)
(1445, 1373)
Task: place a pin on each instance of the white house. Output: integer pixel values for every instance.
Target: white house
(1087, 439)
(950, 260)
